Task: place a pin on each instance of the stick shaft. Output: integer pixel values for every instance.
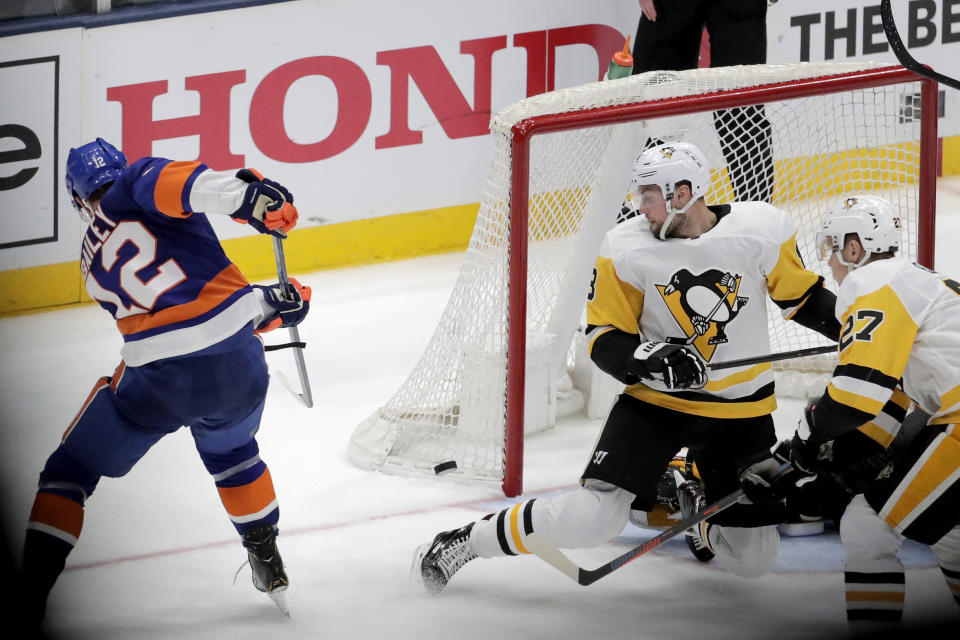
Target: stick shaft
(773, 357)
(548, 552)
(903, 56)
(589, 576)
(305, 396)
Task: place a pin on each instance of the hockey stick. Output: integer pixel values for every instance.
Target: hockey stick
(773, 357)
(305, 397)
(549, 553)
(907, 60)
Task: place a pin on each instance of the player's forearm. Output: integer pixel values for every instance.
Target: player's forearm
(612, 351)
(219, 192)
(817, 312)
(832, 419)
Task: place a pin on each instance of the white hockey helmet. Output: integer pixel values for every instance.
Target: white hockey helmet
(667, 164)
(872, 218)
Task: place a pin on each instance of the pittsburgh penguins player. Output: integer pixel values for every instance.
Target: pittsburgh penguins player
(678, 286)
(901, 325)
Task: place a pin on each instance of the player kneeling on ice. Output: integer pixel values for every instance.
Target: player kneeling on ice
(680, 285)
(901, 322)
(191, 354)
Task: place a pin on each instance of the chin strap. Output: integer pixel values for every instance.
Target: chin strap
(671, 213)
(854, 265)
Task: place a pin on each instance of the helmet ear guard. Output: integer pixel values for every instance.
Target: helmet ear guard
(90, 167)
(666, 165)
(871, 218)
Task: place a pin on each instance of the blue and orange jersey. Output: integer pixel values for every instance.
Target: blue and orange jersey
(157, 266)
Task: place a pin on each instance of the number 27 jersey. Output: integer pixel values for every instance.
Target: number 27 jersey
(899, 320)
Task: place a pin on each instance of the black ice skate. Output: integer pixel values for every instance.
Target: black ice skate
(438, 561)
(692, 499)
(266, 564)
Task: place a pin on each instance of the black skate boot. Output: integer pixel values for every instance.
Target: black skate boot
(266, 564)
(691, 498)
(438, 561)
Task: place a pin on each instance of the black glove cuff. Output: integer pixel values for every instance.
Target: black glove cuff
(248, 176)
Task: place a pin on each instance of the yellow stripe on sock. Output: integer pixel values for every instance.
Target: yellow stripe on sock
(515, 529)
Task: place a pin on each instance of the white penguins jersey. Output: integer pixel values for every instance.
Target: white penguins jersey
(900, 320)
(708, 293)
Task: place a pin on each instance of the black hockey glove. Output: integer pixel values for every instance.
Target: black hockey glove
(674, 364)
(267, 205)
(838, 454)
(772, 478)
(803, 454)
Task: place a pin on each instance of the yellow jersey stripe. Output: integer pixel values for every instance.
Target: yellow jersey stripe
(738, 378)
(750, 409)
(884, 346)
(614, 301)
(515, 529)
(933, 474)
(788, 280)
(877, 433)
(865, 404)
(950, 398)
(950, 418)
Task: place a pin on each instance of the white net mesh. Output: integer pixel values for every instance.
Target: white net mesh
(800, 154)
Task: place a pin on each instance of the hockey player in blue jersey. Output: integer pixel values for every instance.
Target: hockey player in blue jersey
(191, 355)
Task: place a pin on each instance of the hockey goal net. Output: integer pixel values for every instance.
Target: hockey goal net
(797, 135)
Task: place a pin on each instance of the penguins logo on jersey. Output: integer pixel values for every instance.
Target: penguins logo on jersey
(702, 305)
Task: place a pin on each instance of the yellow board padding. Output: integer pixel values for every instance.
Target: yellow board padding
(559, 212)
(358, 242)
(951, 156)
(834, 174)
(49, 285)
(310, 249)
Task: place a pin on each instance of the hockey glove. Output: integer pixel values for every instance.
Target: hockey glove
(291, 308)
(837, 454)
(771, 478)
(267, 205)
(803, 454)
(674, 364)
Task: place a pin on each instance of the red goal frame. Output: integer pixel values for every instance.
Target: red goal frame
(524, 130)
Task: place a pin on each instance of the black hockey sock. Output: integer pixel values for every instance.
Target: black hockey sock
(44, 557)
(55, 524)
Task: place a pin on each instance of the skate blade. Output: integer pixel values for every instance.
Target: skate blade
(279, 597)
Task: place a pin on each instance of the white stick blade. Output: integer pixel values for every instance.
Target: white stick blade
(548, 552)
